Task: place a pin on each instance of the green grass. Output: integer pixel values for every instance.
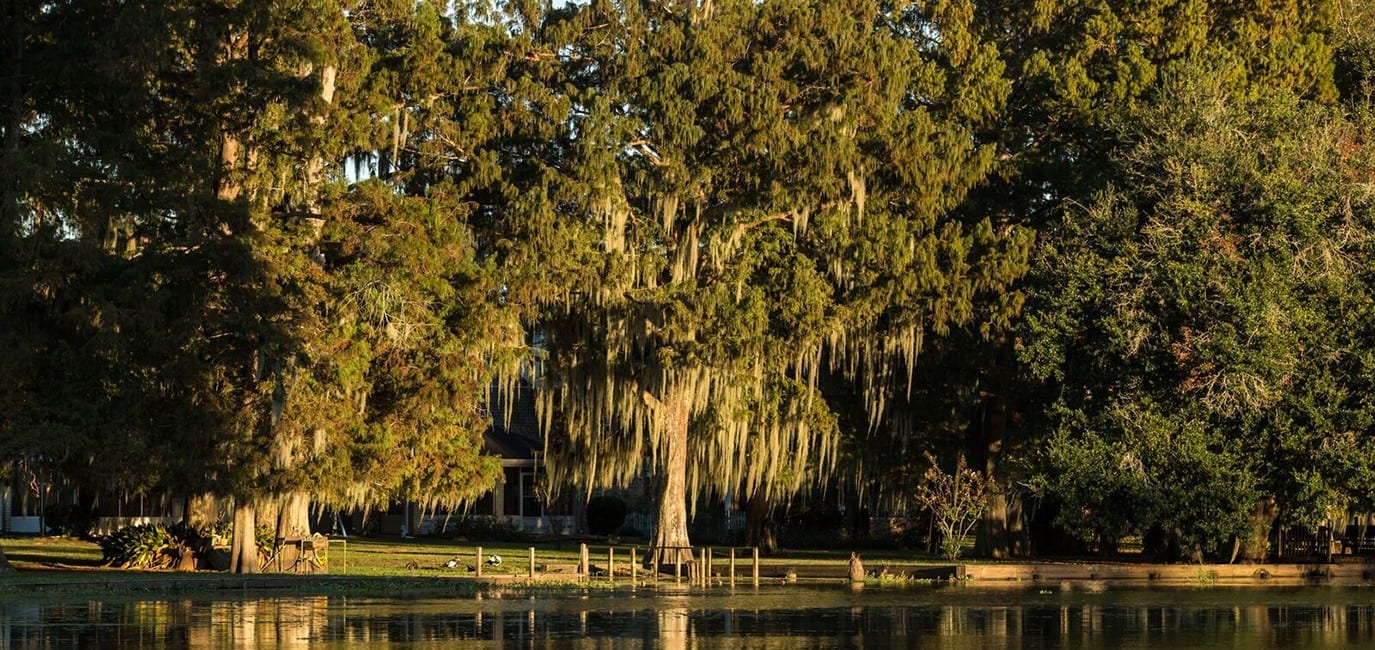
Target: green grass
(382, 565)
(26, 552)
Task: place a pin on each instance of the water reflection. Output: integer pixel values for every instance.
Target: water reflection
(782, 618)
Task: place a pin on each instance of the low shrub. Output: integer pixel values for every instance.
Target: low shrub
(158, 546)
(484, 528)
(151, 546)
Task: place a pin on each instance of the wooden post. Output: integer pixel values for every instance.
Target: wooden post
(634, 567)
(755, 550)
(677, 565)
(706, 566)
(478, 566)
(611, 564)
(532, 562)
(732, 567)
(694, 567)
(582, 560)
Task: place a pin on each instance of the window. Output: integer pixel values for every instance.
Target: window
(530, 503)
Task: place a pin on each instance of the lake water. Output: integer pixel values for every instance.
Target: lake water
(772, 617)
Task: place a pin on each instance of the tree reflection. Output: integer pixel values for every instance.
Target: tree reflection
(695, 621)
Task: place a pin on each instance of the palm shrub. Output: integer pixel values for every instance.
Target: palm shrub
(150, 546)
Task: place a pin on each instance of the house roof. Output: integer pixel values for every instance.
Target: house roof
(510, 447)
(514, 434)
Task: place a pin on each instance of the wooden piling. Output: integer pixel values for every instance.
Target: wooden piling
(755, 550)
(477, 566)
(732, 567)
(532, 562)
(706, 566)
(582, 561)
(634, 567)
(611, 564)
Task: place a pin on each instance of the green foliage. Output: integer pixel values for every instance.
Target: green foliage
(151, 546)
(1141, 468)
(1354, 43)
(254, 248)
(734, 197)
(224, 313)
(1203, 345)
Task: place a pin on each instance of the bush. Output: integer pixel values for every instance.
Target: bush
(151, 546)
(957, 502)
(605, 514)
(484, 527)
(155, 546)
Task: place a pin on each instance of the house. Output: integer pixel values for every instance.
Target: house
(46, 504)
(21, 509)
(520, 497)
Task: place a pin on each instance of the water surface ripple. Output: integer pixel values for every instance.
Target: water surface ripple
(771, 617)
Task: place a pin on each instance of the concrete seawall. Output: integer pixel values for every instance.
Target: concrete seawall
(1231, 574)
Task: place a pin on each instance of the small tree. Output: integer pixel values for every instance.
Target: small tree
(957, 502)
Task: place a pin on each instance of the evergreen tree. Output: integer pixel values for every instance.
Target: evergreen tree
(63, 378)
(1077, 72)
(221, 310)
(742, 195)
(1353, 40)
(1206, 344)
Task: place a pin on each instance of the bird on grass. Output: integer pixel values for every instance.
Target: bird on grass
(494, 560)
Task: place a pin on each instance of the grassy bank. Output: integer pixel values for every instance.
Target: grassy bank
(66, 568)
(388, 566)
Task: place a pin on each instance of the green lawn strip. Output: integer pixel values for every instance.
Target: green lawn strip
(31, 551)
(45, 560)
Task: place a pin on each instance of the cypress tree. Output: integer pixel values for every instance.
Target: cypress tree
(742, 196)
(256, 327)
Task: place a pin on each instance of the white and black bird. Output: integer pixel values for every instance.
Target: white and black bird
(453, 562)
(494, 560)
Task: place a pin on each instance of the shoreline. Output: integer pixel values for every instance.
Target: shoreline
(58, 582)
(1259, 575)
(58, 567)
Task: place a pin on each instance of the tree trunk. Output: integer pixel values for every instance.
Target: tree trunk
(243, 556)
(4, 562)
(202, 511)
(1001, 532)
(580, 510)
(293, 517)
(315, 169)
(1256, 546)
(759, 530)
(671, 541)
